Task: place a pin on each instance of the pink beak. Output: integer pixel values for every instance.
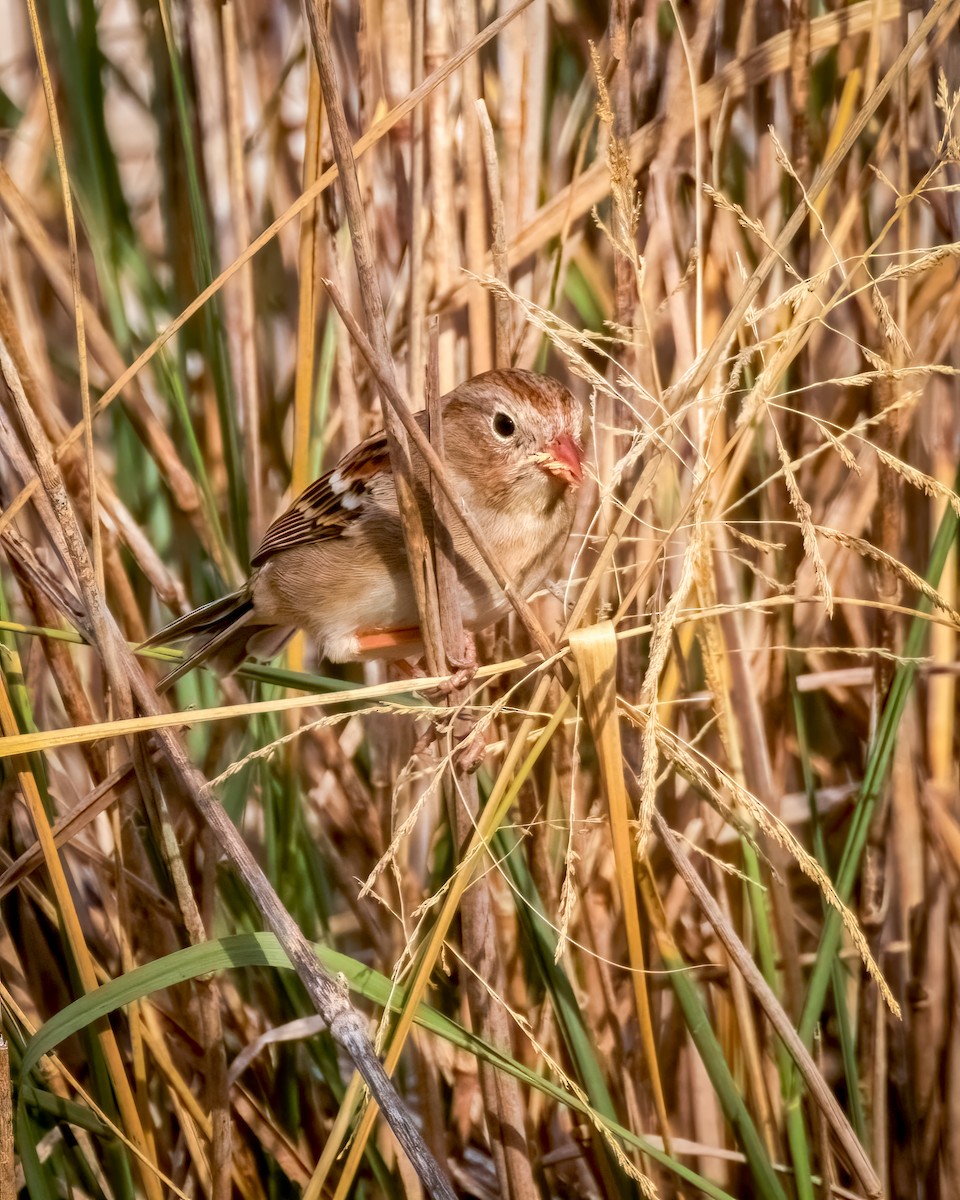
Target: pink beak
(565, 461)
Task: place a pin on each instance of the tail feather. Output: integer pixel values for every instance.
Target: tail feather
(220, 629)
(208, 618)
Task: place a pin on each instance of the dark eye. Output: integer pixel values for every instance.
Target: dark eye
(503, 425)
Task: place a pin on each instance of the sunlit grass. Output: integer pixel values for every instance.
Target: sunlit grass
(761, 318)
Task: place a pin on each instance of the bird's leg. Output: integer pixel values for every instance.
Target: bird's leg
(380, 644)
(389, 643)
(424, 741)
(471, 751)
(462, 669)
(472, 744)
(465, 667)
(468, 753)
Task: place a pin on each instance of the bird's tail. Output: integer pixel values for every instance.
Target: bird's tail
(221, 631)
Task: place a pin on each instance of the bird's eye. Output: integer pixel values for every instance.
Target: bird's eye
(503, 425)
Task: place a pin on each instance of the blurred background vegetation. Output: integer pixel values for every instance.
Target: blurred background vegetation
(733, 230)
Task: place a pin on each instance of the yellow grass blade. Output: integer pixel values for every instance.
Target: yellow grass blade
(595, 652)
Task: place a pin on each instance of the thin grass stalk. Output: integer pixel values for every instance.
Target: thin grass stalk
(709, 1049)
(875, 775)
(95, 171)
(879, 1113)
(415, 540)
(80, 954)
(503, 1107)
(514, 771)
(511, 56)
(717, 673)
(8, 1187)
(475, 233)
(692, 62)
(364, 143)
(503, 334)
(307, 297)
(306, 321)
(350, 1104)
(344, 1022)
(91, 468)
(942, 690)
(574, 1026)
(219, 366)
(846, 1034)
(535, 34)
(135, 1015)
(209, 96)
(777, 942)
(750, 1035)
(417, 350)
(856, 1156)
(245, 368)
(595, 652)
(825, 173)
(445, 240)
(24, 743)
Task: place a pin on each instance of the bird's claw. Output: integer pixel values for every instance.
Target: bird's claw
(470, 753)
(463, 668)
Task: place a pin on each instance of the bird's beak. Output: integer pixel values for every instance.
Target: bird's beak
(563, 458)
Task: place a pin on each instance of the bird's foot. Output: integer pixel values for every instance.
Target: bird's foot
(463, 667)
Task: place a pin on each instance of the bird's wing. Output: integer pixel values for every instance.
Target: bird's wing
(329, 506)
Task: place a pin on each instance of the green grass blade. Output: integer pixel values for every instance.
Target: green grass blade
(540, 940)
(845, 1031)
(734, 1109)
(878, 764)
(212, 319)
(263, 949)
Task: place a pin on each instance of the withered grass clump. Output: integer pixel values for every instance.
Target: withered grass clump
(691, 926)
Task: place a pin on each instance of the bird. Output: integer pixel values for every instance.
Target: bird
(334, 563)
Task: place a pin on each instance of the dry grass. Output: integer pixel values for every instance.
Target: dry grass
(735, 232)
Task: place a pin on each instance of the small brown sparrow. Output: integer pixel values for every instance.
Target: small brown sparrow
(335, 564)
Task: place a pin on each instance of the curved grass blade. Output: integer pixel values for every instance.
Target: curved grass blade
(263, 949)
